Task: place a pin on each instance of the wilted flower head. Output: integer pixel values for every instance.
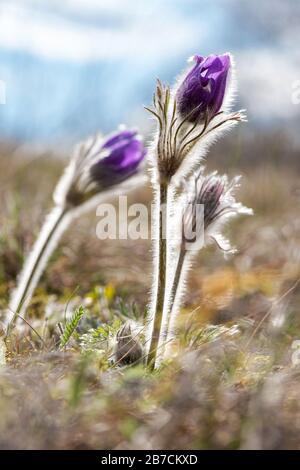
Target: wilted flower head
(99, 164)
(211, 204)
(202, 91)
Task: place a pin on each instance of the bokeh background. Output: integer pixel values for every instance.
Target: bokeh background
(74, 67)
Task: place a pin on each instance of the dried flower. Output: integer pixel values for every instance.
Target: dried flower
(202, 91)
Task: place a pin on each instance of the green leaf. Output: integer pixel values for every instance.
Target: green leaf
(71, 326)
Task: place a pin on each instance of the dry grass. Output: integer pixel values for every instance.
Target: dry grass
(231, 385)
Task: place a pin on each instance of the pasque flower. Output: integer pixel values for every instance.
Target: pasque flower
(99, 164)
(207, 206)
(96, 166)
(212, 199)
(122, 155)
(202, 91)
(190, 116)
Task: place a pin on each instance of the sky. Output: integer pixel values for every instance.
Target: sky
(70, 68)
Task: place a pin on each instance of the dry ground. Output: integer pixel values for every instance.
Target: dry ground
(234, 379)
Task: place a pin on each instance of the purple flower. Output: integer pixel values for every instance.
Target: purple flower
(211, 203)
(203, 88)
(123, 153)
(209, 195)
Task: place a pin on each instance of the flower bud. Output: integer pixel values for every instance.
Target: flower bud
(128, 349)
(202, 91)
(99, 164)
(212, 203)
(121, 156)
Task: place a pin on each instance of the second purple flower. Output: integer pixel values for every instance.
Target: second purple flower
(121, 156)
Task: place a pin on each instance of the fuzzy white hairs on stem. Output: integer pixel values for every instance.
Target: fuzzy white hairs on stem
(89, 178)
(185, 130)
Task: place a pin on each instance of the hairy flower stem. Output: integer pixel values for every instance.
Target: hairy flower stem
(35, 263)
(161, 273)
(174, 292)
(176, 282)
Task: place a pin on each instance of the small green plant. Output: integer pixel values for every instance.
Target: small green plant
(71, 326)
(98, 339)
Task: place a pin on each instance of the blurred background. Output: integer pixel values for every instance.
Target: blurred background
(75, 67)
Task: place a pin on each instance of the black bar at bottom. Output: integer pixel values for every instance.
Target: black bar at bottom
(134, 459)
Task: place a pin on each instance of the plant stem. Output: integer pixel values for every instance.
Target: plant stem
(173, 294)
(161, 273)
(35, 263)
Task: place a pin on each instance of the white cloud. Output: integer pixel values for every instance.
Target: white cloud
(78, 6)
(266, 79)
(55, 36)
(100, 6)
(2, 92)
(144, 31)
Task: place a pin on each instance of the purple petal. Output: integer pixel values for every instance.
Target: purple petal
(119, 137)
(125, 153)
(203, 88)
